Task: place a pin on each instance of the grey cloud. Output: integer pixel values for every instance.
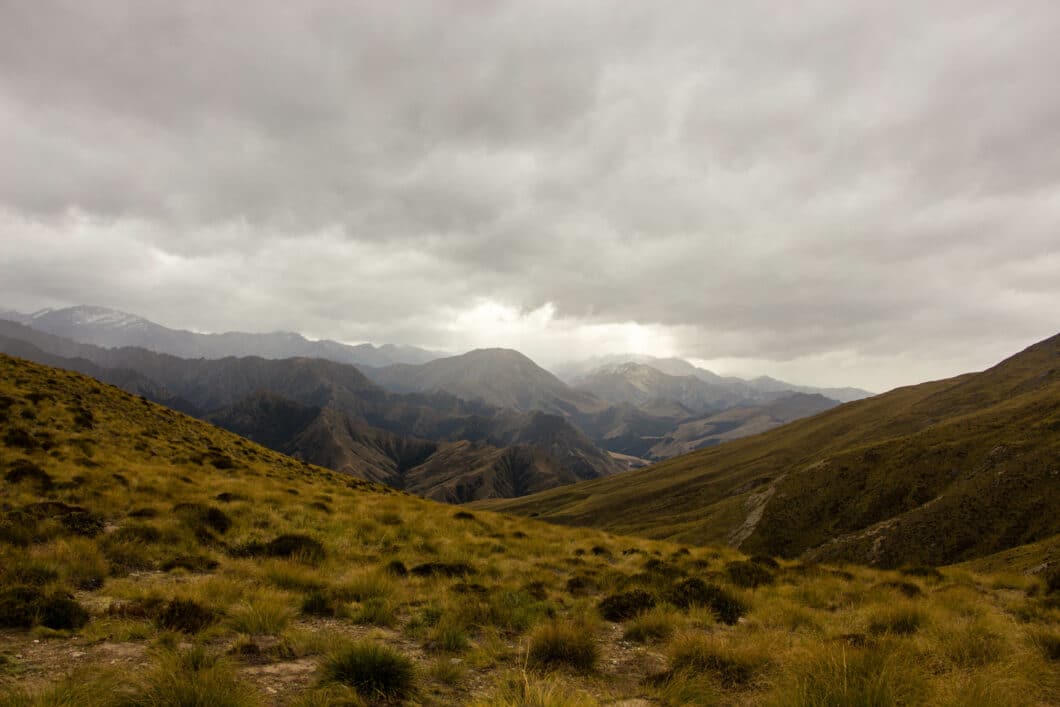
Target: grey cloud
(765, 181)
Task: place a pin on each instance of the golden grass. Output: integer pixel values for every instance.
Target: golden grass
(493, 610)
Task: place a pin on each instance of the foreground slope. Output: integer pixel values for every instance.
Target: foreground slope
(939, 472)
(147, 558)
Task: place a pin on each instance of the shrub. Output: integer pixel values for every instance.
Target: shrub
(694, 592)
(318, 603)
(372, 669)
(23, 606)
(463, 515)
(191, 563)
(923, 571)
(908, 589)
(748, 574)
(184, 615)
(765, 561)
(299, 547)
(445, 569)
(25, 470)
(198, 516)
(620, 607)
(397, 568)
(563, 645)
(75, 519)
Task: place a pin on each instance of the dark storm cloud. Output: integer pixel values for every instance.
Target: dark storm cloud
(765, 181)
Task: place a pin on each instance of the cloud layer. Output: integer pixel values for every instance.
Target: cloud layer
(857, 193)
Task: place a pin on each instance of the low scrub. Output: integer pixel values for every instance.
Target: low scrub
(24, 606)
(694, 592)
(625, 606)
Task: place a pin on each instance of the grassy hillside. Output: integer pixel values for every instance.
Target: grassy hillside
(147, 558)
(936, 473)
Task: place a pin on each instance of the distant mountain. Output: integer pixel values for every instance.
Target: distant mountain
(498, 377)
(936, 473)
(110, 328)
(641, 385)
(747, 391)
(738, 422)
(326, 412)
(843, 395)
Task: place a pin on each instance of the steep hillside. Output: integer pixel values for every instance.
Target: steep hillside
(113, 329)
(499, 377)
(148, 558)
(325, 412)
(934, 473)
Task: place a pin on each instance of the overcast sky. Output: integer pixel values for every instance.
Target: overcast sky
(858, 193)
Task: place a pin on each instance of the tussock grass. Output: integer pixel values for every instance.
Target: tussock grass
(372, 669)
(566, 645)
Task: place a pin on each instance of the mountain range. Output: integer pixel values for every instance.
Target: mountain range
(111, 329)
(633, 410)
(329, 413)
(934, 473)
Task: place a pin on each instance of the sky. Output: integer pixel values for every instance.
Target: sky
(828, 192)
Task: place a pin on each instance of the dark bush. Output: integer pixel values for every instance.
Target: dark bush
(19, 439)
(184, 615)
(765, 561)
(60, 611)
(445, 569)
(24, 607)
(924, 571)
(1052, 581)
(143, 513)
(748, 574)
(463, 515)
(373, 670)
(695, 592)
(662, 568)
(75, 519)
(397, 568)
(191, 563)
(621, 607)
(580, 584)
(25, 470)
(318, 603)
(19, 606)
(226, 497)
(291, 545)
(198, 516)
(321, 506)
(907, 588)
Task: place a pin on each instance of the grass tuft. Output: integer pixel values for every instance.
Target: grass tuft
(563, 645)
(372, 669)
